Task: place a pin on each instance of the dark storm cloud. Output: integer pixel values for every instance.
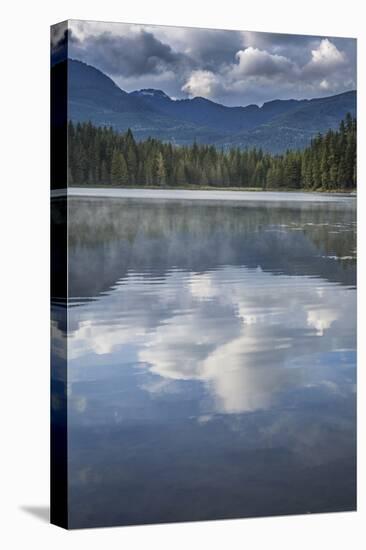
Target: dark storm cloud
(129, 55)
(213, 48)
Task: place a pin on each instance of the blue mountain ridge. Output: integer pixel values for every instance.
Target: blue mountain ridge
(276, 126)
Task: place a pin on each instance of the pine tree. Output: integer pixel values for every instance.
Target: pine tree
(119, 172)
(103, 156)
(160, 171)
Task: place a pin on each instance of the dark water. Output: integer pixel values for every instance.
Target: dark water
(212, 363)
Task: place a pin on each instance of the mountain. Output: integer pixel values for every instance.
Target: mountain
(92, 89)
(295, 128)
(93, 96)
(213, 115)
(276, 126)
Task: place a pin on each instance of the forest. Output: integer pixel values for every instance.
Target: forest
(102, 156)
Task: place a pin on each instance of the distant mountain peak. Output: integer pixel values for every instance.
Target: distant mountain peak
(150, 92)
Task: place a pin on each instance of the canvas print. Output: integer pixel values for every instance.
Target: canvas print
(203, 262)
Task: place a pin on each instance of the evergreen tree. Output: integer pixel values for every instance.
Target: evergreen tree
(119, 173)
(103, 156)
(160, 171)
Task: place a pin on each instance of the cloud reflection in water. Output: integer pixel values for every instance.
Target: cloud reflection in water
(211, 353)
(236, 330)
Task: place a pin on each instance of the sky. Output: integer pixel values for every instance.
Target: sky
(229, 67)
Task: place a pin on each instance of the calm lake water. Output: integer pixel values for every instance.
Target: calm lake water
(212, 356)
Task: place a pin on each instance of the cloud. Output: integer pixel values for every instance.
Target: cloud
(325, 59)
(258, 72)
(245, 361)
(231, 67)
(244, 347)
(254, 377)
(133, 53)
(250, 68)
(210, 48)
(324, 84)
(295, 47)
(327, 54)
(99, 338)
(201, 286)
(321, 319)
(255, 62)
(201, 83)
(60, 36)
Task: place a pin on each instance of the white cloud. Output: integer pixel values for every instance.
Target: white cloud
(100, 338)
(327, 54)
(219, 330)
(321, 319)
(201, 84)
(250, 67)
(202, 286)
(325, 60)
(267, 74)
(255, 62)
(244, 366)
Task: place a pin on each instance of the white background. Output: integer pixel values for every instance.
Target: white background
(24, 218)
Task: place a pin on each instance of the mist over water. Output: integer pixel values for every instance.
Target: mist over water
(211, 356)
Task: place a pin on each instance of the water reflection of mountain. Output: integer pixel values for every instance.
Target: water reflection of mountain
(110, 238)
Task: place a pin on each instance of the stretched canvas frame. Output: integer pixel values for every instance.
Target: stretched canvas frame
(203, 335)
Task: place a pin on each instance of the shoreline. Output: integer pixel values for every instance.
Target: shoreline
(346, 192)
(211, 195)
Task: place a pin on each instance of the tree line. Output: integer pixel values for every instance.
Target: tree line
(102, 156)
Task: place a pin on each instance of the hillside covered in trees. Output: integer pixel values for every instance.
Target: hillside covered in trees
(101, 156)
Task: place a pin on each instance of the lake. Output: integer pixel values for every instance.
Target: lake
(211, 355)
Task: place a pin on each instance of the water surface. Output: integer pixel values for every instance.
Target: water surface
(211, 357)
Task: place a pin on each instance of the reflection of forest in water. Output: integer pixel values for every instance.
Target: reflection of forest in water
(109, 238)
